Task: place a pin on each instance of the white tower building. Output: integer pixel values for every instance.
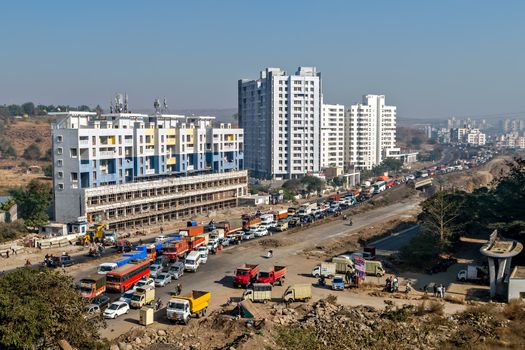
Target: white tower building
(332, 135)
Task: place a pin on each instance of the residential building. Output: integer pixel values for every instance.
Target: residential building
(280, 115)
(468, 135)
(475, 137)
(332, 135)
(370, 132)
(127, 169)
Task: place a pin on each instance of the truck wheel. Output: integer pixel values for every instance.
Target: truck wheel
(378, 275)
(205, 311)
(185, 321)
(316, 275)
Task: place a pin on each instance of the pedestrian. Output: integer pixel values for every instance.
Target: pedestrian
(388, 284)
(395, 284)
(161, 230)
(435, 290)
(7, 253)
(408, 287)
(14, 251)
(439, 291)
(348, 277)
(443, 289)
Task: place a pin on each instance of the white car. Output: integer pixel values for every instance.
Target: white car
(116, 309)
(261, 231)
(160, 238)
(162, 280)
(204, 254)
(126, 296)
(145, 282)
(154, 270)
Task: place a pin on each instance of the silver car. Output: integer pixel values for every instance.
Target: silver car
(162, 280)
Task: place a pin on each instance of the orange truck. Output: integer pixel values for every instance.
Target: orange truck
(175, 250)
(192, 231)
(245, 274)
(281, 214)
(248, 221)
(274, 276)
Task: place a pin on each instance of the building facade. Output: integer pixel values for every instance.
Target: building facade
(280, 115)
(332, 136)
(370, 132)
(121, 152)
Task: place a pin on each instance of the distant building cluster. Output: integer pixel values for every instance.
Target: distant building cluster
(471, 136)
(290, 131)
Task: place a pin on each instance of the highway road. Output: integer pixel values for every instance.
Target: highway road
(216, 275)
(395, 242)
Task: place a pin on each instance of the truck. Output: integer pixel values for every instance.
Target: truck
(343, 265)
(266, 218)
(334, 198)
(92, 286)
(280, 214)
(297, 292)
(245, 274)
(175, 250)
(136, 254)
(274, 276)
(150, 249)
(306, 209)
(110, 238)
(193, 261)
(472, 273)
(142, 296)
(258, 292)
(374, 268)
(324, 269)
(180, 308)
(191, 231)
(249, 221)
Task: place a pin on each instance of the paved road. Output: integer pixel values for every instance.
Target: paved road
(396, 241)
(217, 273)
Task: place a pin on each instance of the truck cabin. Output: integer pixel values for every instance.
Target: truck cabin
(179, 305)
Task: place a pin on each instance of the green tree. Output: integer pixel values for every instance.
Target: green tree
(33, 202)
(293, 186)
(48, 170)
(422, 249)
(313, 183)
(28, 108)
(15, 110)
(10, 152)
(39, 308)
(32, 152)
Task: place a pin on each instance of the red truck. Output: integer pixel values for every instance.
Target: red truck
(245, 274)
(274, 276)
(175, 250)
(334, 198)
(191, 231)
(195, 242)
(281, 214)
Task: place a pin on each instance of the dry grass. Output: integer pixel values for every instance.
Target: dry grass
(454, 300)
(514, 310)
(430, 307)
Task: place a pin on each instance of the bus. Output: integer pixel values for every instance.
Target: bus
(379, 187)
(125, 277)
(92, 286)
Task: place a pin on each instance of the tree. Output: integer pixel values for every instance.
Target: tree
(292, 186)
(422, 249)
(48, 170)
(15, 110)
(33, 202)
(28, 108)
(440, 216)
(32, 152)
(10, 152)
(313, 183)
(39, 308)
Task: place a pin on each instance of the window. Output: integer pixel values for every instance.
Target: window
(59, 138)
(73, 152)
(61, 186)
(60, 174)
(60, 162)
(60, 150)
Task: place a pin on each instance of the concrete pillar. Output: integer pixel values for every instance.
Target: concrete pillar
(507, 267)
(492, 277)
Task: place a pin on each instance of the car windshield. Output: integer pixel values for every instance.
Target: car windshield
(338, 280)
(161, 277)
(112, 278)
(242, 273)
(154, 268)
(135, 297)
(113, 307)
(99, 300)
(105, 268)
(190, 262)
(127, 295)
(264, 274)
(175, 305)
(140, 283)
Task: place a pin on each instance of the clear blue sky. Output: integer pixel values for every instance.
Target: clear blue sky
(431, 58)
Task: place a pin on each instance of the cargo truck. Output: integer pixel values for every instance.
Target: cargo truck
(191, 231)
(181, 308)
(472, 273)
(249, 221)
(142, 296)
(297, 292)
(175, 250)
(245, 274)
(324, 269)
(374, 268)
(280, 214)
(258, 292)
(92, 286)
(343, 265)
(273, 276)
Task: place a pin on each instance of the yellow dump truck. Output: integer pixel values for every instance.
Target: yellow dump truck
(297, 292)
(142, 296)
(182, 307)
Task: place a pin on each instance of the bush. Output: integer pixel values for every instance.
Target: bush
(430, 307)
(32, 152)
(297, 338)
(422, 250)
(11, 231)
(514, 310)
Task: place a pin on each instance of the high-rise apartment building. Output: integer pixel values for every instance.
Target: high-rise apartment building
(128, 169)
(280, 115)
(332, 136)
(370, 132)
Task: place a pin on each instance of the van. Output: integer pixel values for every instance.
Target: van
(193, 261)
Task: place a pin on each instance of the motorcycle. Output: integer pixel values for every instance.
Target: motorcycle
(269, 254)
(321, 282)
(158, 304)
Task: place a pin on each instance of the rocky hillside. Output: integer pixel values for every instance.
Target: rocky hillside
(326, 325)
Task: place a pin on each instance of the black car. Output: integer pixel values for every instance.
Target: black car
(101, 300)
(60, 261)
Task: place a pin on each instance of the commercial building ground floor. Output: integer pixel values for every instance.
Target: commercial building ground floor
(135, 205)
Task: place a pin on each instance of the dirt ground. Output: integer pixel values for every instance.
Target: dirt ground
(21, 133)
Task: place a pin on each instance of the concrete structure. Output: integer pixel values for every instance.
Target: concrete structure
(254, 200)
(280, 115)
(332, 172)
(352, 179)
(129, 169)
(407, 158)
(370, 132)
(500, 253)
(469, 136)
(332, 135)
(516, 287)
(53, 229)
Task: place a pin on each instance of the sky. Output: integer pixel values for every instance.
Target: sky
(432, 59)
